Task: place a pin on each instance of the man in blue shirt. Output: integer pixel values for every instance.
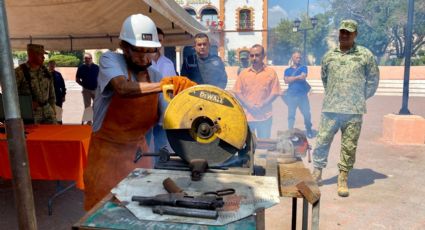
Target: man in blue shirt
(203, 67)
(125, 108)
(296, 94)
(87, 78)
(60, 89)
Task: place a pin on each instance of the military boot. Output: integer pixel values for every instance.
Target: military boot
(342, 184)
(317, 175)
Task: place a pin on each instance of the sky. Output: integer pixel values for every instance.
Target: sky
(291, 9)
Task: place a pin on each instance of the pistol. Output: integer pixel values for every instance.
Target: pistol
(181, 200)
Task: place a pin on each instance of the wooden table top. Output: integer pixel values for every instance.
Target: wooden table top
(292, 174)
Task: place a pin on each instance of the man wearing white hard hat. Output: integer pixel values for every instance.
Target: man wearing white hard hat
(125, 108)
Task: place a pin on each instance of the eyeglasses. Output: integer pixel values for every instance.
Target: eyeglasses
(87, 58)
(255, 55)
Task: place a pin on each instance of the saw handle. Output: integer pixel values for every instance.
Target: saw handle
(168, 92)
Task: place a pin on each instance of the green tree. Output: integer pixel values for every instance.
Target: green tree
(381, 23)
(97, 55)
(231, 58)
(317, 39)
(399, 30)
(20, 55)
(283, 41)
(64, 60)
(79, 54)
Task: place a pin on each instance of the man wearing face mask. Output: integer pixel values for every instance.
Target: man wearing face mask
(125, 108)
(203, 67)
(350, 76)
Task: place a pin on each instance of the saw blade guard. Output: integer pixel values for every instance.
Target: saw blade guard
(206, 119)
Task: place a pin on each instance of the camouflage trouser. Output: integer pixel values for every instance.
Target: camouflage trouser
(45, 115)
(330, 123)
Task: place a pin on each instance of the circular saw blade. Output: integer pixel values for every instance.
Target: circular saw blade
(205, 122)
(185, 146)
(209, 113)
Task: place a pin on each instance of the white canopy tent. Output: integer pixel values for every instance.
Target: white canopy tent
(68, 25)
(92, 24)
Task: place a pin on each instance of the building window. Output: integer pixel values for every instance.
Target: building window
(245, 19)
(209, 17)
(191, 12)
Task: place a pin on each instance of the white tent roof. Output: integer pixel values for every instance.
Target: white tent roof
(92, 24)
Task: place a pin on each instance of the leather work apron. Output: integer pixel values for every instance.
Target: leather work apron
(112, 148)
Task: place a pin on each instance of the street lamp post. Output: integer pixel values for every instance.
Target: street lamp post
(407, 54)
(296, 28)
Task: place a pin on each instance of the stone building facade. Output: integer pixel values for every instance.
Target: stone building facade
(235, 25)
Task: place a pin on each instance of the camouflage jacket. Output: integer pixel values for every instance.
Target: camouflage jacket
(41, 82)
(349, 79)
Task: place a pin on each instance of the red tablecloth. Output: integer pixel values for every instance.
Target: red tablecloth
(55, 152)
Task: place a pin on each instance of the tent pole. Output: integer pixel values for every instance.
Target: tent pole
(18, 157)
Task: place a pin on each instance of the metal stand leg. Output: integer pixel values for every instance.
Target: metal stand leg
(315, 215)
(59, 191)
(305, 214)
(260, 219)
(294, 214)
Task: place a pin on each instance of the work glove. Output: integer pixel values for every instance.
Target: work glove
(179, 83)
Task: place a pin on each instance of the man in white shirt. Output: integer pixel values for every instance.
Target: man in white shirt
(166, 67)
(160, 62)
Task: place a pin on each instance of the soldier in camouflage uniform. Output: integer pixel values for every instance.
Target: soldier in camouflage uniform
(350, 76)
(33, 78)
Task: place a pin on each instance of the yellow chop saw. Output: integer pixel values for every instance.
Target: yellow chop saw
(207, 128)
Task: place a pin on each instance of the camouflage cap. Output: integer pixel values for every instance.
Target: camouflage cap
(36, 48)
(349, 25)
(243, 55)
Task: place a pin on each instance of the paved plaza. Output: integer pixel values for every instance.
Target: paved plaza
(386, 186)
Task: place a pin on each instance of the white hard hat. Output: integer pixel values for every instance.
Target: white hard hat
(140, 31)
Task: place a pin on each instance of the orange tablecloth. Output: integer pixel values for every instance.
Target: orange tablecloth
(55, 152)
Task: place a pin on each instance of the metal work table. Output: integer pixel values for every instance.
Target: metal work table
(253, 194)
(290, 177)
(110, 214)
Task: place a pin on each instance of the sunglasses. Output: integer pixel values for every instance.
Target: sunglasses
(255, 55)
